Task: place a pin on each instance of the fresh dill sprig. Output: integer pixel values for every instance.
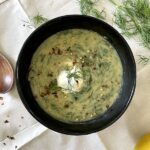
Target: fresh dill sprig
(133, 18)
(35, 21)
(143, 60)
(88, 7)
(38, 20)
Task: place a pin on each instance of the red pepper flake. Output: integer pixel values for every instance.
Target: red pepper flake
(82, 65)
(94, 68)
(107, 106)
(55, 94)
(59, 52)
(6, 121)
(56, 51)
(42, 94)
(50, 74)
(22, 117)
(39, 73)
(1, 98)
(104, 86)
(66, 106)
(74, 62)
(46, 92)
(10, 137)
(53, 50)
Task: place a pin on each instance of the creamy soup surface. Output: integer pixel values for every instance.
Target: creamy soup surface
(75, 75)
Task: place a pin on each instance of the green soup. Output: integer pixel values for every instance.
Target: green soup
(75, 75)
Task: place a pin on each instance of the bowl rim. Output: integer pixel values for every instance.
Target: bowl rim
(40, 119)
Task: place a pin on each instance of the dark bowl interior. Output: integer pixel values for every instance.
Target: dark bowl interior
(83, 22)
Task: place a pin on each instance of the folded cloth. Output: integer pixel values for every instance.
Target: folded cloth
(13, 116)
(19, 130)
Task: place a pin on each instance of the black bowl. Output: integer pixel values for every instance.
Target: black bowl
(70, 22)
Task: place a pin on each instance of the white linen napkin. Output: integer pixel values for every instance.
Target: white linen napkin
(28, 133)
(13, 116)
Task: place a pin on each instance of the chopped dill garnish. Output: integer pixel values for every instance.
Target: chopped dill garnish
(73, 75)
(133, 18)
(53, 86)
(76, 75)
(88, 7)
(143, 60)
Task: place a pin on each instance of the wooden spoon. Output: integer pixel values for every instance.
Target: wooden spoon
(6, 75)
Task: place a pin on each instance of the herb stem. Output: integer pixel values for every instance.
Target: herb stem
(113, 2)
(143, 60)
(88, 7)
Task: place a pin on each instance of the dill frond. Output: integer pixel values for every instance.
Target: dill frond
(87, 7)
(38, 20)
(133, 18)
(143, 60)
(35, 21)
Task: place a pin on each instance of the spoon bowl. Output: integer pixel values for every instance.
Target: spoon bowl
(6, 75)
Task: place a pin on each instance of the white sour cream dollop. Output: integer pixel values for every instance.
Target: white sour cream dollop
(72, 84)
